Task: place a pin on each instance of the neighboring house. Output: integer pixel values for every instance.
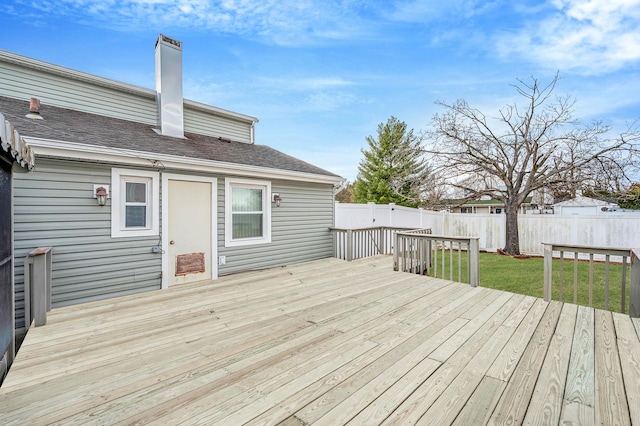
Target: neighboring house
(483, 206)
(583, 205)
(189, 194)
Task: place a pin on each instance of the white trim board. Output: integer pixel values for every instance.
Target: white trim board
(77, 151)
(117, 203)
(228, 214)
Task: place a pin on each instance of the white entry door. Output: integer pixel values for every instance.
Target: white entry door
(189, 235)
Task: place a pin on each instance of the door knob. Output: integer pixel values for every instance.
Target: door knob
(172, 242)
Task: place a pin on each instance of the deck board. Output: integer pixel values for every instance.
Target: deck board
(580, 387)
(610, 399)
(326, 343)
(629, 356)
(547, 399)
(512, 406)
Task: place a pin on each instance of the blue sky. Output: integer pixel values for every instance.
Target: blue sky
(321, 74)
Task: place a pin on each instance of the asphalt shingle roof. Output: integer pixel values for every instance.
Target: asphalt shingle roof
(80, 127)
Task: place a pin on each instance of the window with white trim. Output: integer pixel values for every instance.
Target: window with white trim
(134, 203)
(247, 212)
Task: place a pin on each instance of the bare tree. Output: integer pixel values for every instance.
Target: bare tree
(435, 193)
(609, 173)
(343, 192)
(525, 148)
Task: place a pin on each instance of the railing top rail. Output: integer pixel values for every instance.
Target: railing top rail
(438, 237)
(615, 251)
(331, 228)
(417, 231)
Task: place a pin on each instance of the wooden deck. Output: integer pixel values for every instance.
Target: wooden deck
(327, 343)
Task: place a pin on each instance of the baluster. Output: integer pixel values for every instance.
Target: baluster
(591, 279)
(575, 278)
(623, 302)
(606, 282)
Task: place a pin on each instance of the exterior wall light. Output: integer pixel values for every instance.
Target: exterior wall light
(276, 198)
(101, 193)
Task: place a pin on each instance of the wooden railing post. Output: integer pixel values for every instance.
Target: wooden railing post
(548, 271)
(349, 245)
(37, 284)
(334, 240)
(634, 303)
(474, 262)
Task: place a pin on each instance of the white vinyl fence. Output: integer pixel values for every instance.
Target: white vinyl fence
(603, 230)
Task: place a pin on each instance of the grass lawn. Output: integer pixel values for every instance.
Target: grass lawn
(526, 276)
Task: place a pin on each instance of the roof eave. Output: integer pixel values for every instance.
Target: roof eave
(70, 150)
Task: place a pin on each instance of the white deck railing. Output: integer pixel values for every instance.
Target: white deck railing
(351, 244)
(623, 258)
(421, 253)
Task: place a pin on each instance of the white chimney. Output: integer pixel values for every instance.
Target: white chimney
(169, 87)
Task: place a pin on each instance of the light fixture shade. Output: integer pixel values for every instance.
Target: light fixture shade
(101, 195)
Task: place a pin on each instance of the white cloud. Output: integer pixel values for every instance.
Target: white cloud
(329, 101)
(430, 10)
(283, 22)
(586, 36)
(281, 95)
(304, 84)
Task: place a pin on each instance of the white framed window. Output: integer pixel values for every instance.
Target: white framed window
(134, 203)
(247, 208)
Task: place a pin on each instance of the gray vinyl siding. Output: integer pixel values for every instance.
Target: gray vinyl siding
(95, 95)
(299, 229)
(203, 123)
(54, 207)
(52, 89)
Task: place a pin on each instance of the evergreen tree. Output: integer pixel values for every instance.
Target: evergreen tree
(393, 169)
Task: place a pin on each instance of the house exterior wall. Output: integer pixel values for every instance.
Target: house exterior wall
(58, 89)
(475, 209)
(588, 210)
(299, 229)
(203, 123)
(484, 209)
(54, 207)
(23, 78)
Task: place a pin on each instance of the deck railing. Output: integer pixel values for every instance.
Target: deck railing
(351, 244)
(421, 253)
(618, 257)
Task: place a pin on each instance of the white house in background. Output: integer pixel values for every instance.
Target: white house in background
(583, 205)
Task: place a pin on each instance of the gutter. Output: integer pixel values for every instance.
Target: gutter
(76, 151)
